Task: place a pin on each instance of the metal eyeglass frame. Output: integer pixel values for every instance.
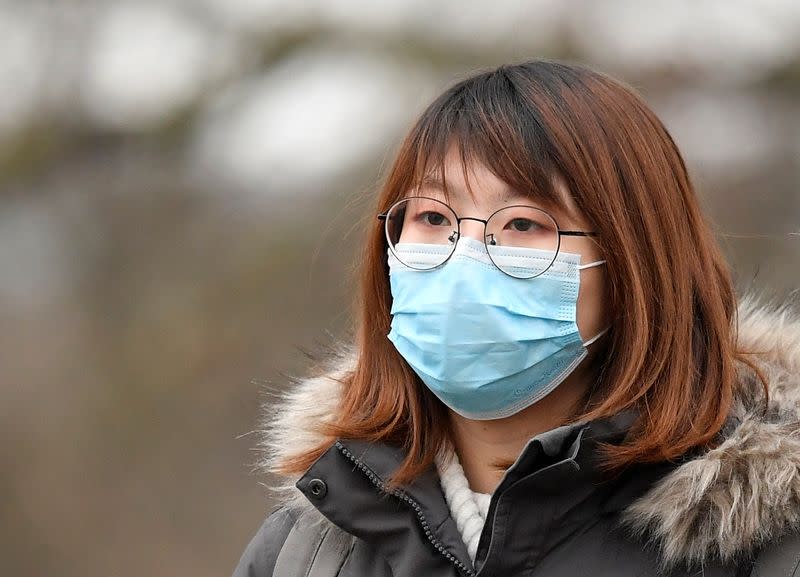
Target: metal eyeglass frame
(457, 233)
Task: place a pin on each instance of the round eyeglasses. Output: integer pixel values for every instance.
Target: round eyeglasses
(419, 219)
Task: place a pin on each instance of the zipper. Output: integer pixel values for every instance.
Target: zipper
(378, 482)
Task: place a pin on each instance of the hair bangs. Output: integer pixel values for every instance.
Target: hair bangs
(487, 123)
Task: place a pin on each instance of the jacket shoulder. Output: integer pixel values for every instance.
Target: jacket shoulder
(292, 542)
(779, 559)
(258, 558)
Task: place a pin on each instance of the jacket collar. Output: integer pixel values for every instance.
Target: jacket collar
(722, 503)
(552, 490)
(347, 486)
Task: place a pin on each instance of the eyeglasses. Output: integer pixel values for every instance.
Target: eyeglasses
(419, 219)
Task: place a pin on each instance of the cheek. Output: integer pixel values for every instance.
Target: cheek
(592, 314)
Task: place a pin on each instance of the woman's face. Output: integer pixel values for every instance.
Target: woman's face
(492, 194)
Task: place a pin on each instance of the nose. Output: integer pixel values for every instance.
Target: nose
(472, 229)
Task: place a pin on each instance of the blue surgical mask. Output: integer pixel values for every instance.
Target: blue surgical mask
(486, 344)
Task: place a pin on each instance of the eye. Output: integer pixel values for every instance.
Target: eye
(434, 218)
(523, 225)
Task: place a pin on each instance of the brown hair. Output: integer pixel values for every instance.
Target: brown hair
(671, 350)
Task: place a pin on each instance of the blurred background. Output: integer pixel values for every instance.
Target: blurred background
(182, 190)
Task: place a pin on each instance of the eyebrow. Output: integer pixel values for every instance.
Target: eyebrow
(560, 210)
(432, 182)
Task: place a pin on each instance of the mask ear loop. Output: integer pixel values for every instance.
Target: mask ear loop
(597, 336)
(605, 330)
(591, 264)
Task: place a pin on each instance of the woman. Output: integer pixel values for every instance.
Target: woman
(550, 376)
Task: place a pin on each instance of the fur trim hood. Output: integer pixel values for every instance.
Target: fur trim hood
(723, 503)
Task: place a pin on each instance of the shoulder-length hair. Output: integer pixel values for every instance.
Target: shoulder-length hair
(671, 351)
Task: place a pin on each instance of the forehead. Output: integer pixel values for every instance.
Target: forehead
(477, 184)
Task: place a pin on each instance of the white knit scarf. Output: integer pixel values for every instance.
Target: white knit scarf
(467, 507)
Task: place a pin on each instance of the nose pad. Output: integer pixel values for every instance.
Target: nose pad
(472, 229)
